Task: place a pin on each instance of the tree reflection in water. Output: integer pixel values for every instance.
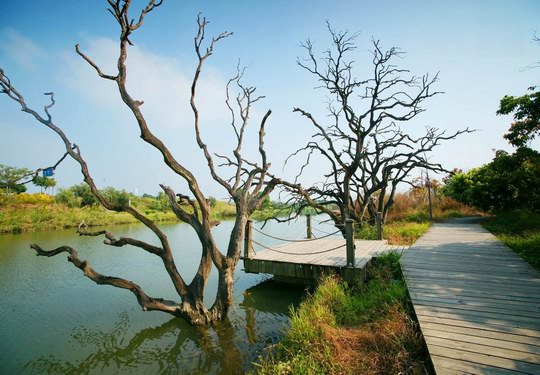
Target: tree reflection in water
(176, 347)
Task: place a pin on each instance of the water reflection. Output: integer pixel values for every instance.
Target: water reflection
(176, 347)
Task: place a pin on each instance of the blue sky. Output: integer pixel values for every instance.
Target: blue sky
(479, 47)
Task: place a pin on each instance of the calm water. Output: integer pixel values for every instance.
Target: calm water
(54, 320)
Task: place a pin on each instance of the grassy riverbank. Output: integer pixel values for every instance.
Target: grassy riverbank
(362, 330)
(33, 217)
(40, 212)
(519, 230)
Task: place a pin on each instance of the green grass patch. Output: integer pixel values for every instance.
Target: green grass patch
(397, 232)
(520, 231)
(365, 329)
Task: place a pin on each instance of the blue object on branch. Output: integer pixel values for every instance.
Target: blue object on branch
(49, 172)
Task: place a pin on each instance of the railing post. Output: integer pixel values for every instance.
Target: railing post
(349, 238)
(248, 240)
(379, 225)
(309, 232)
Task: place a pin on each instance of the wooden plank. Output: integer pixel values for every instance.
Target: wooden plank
(465, 262)
(487, 290)
(484, 331)
(473, 272)
(463, 288)
(532, 350)
(446, 365)
(528, 361)
(483, 359)
(482, 300)
(478, 324)
(477, 305)
(425, 269)
(493, 318)
(445, 253)
(491, 283)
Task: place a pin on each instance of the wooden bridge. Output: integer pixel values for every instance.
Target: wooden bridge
(305, 260)
(477, 302)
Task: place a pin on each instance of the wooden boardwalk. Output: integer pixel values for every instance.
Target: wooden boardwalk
(305, 261)
(477, 302)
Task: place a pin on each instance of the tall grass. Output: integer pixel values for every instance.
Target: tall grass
(519, 230)
(363, 330)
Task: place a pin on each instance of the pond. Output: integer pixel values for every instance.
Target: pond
(54, 320)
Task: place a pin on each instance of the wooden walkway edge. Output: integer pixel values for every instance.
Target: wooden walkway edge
(305, 262)
(477, 302)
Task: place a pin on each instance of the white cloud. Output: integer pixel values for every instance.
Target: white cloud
(157, 80)
(20, 49)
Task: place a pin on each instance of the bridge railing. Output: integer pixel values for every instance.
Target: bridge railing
(349, 241)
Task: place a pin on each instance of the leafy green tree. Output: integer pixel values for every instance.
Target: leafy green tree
(118, 197)
(84, 192)
(67, 197)
(10, 178)
(160, 202)
(213, 201)
(44, 182)
(526, 110)
(266, 203)
(510, 181)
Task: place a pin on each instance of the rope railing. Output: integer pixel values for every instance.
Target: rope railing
(298, 240)
(290, 253)
(348, 245)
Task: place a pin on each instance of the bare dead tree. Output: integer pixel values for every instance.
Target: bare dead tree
(367, 152)
(248, 187)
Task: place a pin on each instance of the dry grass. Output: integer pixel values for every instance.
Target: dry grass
(410, 208)
(364, 330)
(383, 347)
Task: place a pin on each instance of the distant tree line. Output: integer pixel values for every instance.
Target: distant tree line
(81, 196)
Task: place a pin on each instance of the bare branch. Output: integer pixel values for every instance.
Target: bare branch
(93, 65)
(147, 303)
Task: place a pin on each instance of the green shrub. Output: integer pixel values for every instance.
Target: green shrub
(68, 198)
(37, 198)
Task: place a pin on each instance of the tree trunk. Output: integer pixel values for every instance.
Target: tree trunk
(194, 311)
(224, 296)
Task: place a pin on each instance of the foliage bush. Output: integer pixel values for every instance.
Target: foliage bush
(68, 198)
(159, 203)
(37, 198)
(115, 196)
(83, 191)
(510, 181)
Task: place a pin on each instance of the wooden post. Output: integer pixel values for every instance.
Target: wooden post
(309, 232)
(248, 240)
(379, 226)
(428, 186)
(349, 238)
